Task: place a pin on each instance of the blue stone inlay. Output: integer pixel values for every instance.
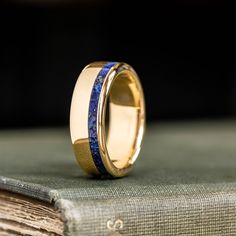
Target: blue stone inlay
(92, 118)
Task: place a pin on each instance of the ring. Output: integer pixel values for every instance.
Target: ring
(107, 118)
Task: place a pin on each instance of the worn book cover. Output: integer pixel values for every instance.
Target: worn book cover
(184, 183)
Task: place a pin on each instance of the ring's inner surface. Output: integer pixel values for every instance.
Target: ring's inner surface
(124, 119)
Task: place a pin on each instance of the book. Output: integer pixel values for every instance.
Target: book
(183, 183)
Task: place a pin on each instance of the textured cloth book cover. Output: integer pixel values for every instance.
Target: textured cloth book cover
(184, 182)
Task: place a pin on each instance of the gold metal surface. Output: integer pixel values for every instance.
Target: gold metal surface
(79, 117)
(120, 147)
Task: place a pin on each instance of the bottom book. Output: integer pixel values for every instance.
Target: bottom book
(183, 183)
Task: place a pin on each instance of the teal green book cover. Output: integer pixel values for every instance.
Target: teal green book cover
(183, 183)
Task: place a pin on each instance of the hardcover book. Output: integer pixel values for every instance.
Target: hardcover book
(183, 183)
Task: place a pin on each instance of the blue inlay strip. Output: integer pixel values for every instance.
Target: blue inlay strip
(92, 118)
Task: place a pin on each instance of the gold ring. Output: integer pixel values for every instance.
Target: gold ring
(107, 148)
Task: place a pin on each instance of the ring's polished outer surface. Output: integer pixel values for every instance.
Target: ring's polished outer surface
(112, 150)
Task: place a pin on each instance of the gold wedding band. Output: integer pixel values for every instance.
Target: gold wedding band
(101, 148)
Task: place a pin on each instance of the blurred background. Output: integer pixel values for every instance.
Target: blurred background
(184, 52)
